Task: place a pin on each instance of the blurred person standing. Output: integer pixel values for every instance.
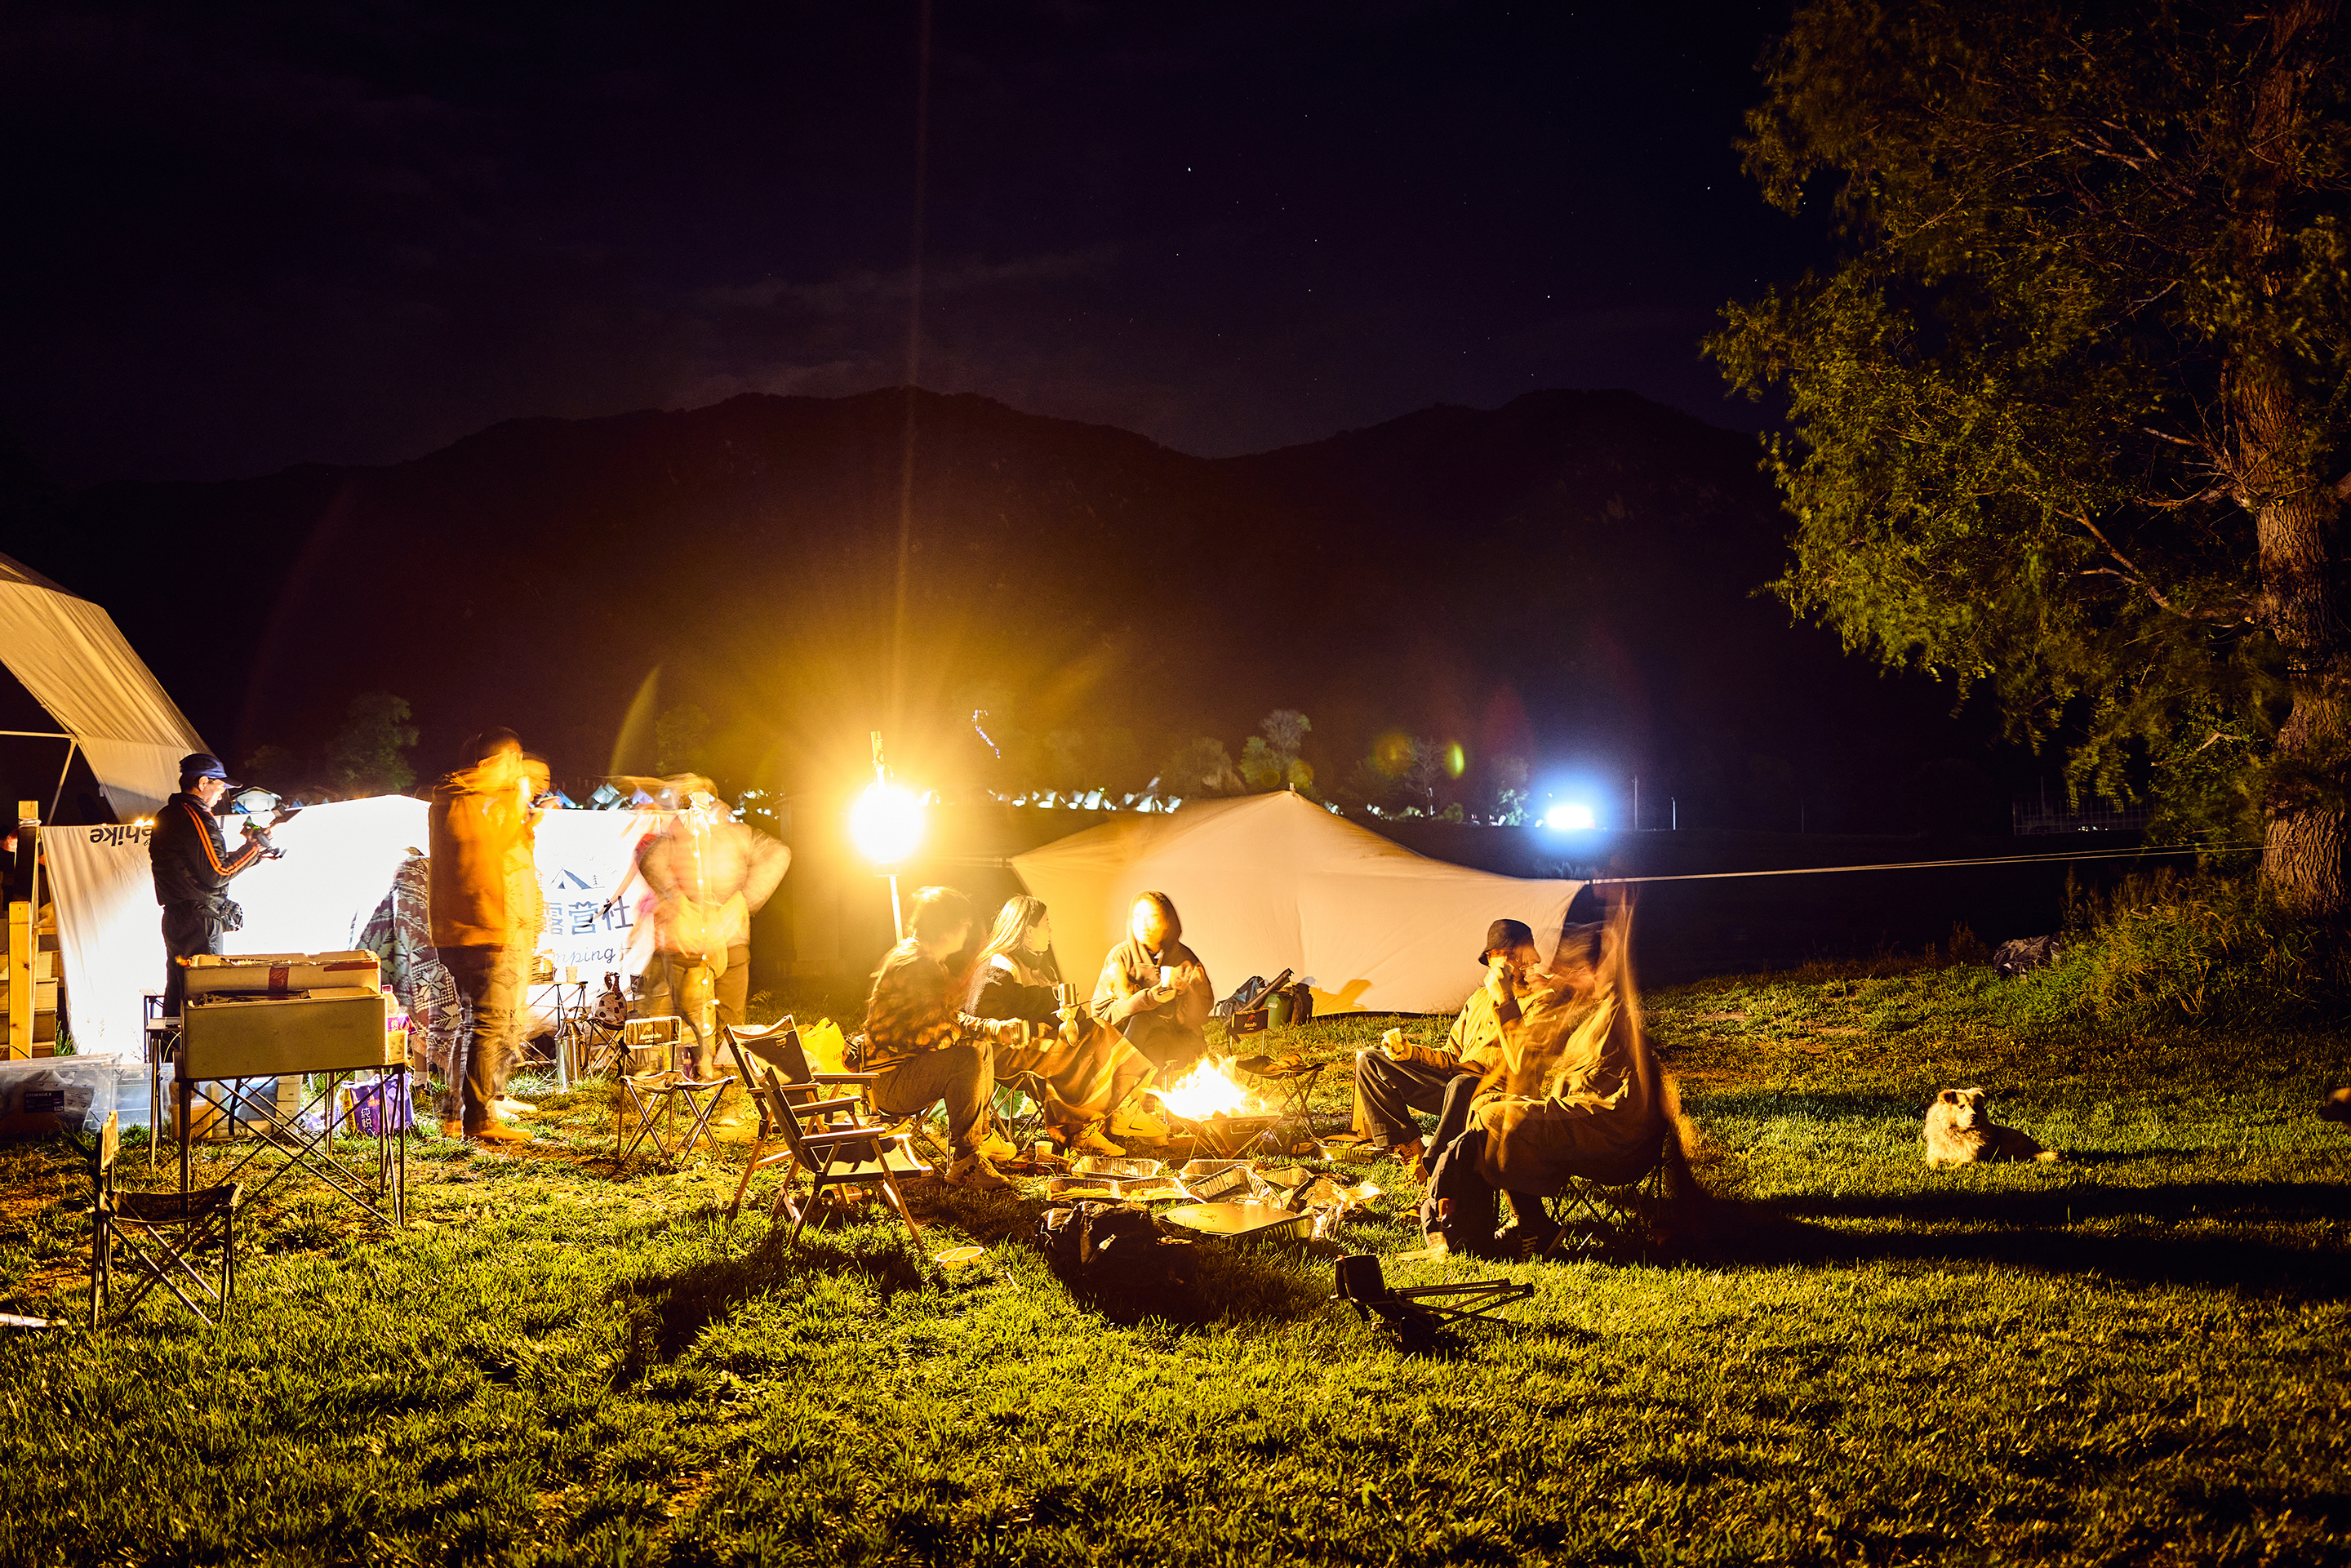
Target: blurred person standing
(478, 821)
(708, 874)
(525, 919)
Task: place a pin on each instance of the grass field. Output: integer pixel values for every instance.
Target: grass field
(2137, 1355)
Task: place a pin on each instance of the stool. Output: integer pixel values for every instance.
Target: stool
(1292, 1079)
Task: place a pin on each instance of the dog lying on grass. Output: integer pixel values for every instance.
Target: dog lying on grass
(1959, 1131)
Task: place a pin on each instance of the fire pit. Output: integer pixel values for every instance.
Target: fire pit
(1209, 1106)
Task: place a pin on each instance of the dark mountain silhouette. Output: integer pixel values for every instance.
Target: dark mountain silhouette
(1571, 578)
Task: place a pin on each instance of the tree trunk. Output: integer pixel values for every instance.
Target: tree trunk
(2295, 508)
(2304, 834)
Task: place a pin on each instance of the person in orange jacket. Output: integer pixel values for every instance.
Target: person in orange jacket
(479, 822)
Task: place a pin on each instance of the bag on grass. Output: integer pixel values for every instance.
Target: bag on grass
(1115, 1250)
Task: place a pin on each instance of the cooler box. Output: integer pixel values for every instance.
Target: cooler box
(266, 1015)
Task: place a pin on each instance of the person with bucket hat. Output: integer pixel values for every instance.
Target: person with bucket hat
(1397, 1077)
(189, 856)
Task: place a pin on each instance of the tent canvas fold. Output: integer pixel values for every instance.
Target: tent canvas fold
(74, 660)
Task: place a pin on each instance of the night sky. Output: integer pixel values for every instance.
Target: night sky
(247, 236)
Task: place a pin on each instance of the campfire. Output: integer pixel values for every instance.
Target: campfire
(1212, 1106)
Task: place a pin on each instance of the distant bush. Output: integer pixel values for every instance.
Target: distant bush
(2208, 948)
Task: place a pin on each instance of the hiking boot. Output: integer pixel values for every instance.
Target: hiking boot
(1091, 1141)
(497, 1133)
(973, 1170)
(1525, 1243)
(996, 1146)
(1134, 1122)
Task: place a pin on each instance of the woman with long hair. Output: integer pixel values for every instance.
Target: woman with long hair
(1155, 990)
(1085, 1070)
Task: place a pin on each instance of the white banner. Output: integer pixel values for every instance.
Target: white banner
(341, 859)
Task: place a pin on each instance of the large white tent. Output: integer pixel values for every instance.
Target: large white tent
(72, 657)
(1269, 881)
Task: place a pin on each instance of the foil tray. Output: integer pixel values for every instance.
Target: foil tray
(1127, 1169)
(1241, 1221)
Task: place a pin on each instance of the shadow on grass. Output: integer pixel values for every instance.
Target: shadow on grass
(667, 1313)
(2259, 1202)
(2029, 1231)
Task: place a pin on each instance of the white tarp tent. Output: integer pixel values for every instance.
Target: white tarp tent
(341, 860)
(69, 655)
(1275, 880)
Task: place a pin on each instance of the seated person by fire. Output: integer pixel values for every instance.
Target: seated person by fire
(1576, 1095)
(1400, 1077)
(1155, 990)
(927, 1049)
(1087, 1073)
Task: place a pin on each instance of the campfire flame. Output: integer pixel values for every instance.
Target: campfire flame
(1209, 1090)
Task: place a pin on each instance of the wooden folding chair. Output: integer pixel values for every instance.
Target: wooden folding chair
(819, 1133)
(139, 1225)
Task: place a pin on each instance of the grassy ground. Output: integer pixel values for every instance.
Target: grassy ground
(2137, 1355)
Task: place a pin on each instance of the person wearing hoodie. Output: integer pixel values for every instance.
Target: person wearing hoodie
(479, 824)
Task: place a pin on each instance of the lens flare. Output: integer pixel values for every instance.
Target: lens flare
(1568, 818)
(886, 823)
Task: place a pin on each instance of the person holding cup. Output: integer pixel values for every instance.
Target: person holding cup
(1155, 990)
(1086, 1071)
(1400, 1077)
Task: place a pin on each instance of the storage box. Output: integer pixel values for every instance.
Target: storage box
(281, 974)
(327, 1030)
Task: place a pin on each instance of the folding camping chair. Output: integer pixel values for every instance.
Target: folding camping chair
(141, 1224)
(1018, 1106)
(819, 1133)
(659, 1097)
(1598, 1219)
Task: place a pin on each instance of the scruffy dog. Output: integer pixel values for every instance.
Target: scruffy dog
(1959, 1131)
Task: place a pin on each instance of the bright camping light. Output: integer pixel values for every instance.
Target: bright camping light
(1569, 817)
(886, 823)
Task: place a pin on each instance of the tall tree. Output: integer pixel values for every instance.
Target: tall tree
(2072, 412)
(369, 755)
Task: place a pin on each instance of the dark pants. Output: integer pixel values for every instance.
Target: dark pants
(487, 998)
(962, 1074)
(189, 929)
(1387, 1092)
(1165, 1042)
(1452, 1122)
(734, 989)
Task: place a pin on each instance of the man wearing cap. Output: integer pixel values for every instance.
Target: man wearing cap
(1399, 1078)
(190, 858)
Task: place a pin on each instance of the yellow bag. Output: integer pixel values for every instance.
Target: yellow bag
(827, 1049)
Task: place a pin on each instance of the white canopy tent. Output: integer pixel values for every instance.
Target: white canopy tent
(72, 657)
(341, 859)
(1274, 881)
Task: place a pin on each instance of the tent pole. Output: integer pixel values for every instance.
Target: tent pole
(73, 744)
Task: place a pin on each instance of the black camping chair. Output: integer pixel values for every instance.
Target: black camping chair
(1606, 1220)
(161, 1234)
